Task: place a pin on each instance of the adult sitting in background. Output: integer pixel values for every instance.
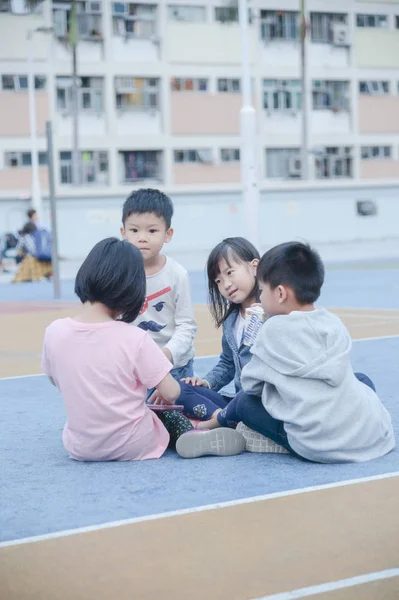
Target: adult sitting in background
(8, 244)
(34, 250)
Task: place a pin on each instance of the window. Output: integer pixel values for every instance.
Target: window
(23, 159)
(179, 84)
(93, 167)
(231, 86)
(230, 155)
(183, 12)
(88, 19)
(19, 83)
(334, 163)
(331, 95)
(139, 165)
(203, 156)
(136, 93)
(134, 20)
(372, 20)
(321, 26)
(280, 95)
(283, 163)
(374, 88)
(376, 152)
(279, 25)
(18, 8)
(90, 94)
(226, 14)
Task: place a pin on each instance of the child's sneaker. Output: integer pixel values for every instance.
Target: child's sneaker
(215, 442)
(256, 442)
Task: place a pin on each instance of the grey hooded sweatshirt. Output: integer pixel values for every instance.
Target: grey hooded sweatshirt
(301, 368)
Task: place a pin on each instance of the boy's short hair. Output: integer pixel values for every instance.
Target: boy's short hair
(113, 274)
(31, 213)
(295, 265)
(149, 201)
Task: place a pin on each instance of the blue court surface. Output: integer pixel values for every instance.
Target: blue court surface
(43, 491)
(345, 287)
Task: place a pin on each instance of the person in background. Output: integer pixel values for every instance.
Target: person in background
(34, 253)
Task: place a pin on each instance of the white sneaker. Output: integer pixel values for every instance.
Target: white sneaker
(256, 442)
(216, 442)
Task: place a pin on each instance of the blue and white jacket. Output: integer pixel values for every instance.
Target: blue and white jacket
(231, 361)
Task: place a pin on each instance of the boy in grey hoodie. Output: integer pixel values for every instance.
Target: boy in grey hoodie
(299, 387)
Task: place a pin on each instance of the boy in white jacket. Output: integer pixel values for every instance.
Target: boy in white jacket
(299, 386)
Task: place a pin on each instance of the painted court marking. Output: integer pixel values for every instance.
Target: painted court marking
(195, 509)
(211, 356)
(333, 585)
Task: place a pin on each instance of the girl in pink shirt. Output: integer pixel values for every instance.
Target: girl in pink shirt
(103, 367)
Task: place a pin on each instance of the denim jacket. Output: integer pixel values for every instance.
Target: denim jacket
(232, 359)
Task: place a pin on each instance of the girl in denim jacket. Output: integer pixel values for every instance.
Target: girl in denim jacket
(232, 286)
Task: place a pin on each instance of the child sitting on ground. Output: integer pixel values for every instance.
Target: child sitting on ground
(232, 285)
(299, 387)
(103, 367)
(167, 314)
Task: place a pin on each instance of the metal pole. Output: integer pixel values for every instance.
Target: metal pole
(36, 198)
(304, 132)
(249, 156)
(73, 41)
(53, 211)
(75, 121)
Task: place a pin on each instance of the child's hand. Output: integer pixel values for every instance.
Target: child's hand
(196, 381)
(157, 399)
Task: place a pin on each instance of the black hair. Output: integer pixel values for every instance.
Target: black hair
(295, 265)
(30, 213)
(113, 274)
(28, 228)
(236, 248)
(149, 201)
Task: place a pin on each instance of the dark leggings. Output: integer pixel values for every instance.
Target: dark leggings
(176, 424)
(250, 410)
(200, 402)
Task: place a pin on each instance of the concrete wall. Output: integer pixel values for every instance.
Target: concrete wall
(313, 213)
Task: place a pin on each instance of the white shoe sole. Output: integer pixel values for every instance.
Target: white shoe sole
(256, 442)
(215, 442)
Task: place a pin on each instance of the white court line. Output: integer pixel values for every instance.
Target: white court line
(333, 585)
(22, 376)
(195, 509)
(381, 337)
(211, 356)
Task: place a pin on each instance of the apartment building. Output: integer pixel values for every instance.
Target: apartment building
(159, 96)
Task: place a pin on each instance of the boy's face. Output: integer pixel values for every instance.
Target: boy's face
(274, 302)
(147, 232)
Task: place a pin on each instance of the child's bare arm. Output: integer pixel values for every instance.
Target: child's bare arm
(168, 390)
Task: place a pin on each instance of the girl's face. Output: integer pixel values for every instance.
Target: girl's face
(236, 280)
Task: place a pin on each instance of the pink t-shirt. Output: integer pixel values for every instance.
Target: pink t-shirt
(103, 371)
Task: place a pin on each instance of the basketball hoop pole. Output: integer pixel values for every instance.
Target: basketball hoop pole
(249, 154)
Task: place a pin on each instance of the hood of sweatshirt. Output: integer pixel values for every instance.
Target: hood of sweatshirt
(312, 344)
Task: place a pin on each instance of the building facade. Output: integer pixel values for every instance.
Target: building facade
(159, 96)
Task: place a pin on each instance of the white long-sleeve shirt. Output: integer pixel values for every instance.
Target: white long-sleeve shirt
(168, 313)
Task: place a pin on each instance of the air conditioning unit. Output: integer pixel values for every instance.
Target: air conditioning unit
(294, 167)
(340, 34)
